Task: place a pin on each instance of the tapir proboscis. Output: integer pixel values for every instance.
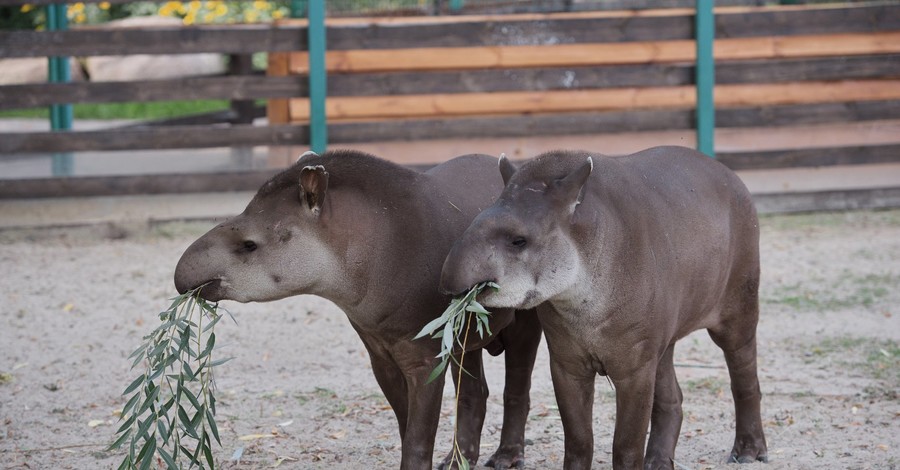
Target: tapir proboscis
(623, 256)
(371, 236)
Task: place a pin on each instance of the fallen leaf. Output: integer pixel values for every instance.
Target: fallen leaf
(252, 437)
(338, 435)
(883, 447)
(238, 453)
(286, 423)
(68, 307)
(95, 422)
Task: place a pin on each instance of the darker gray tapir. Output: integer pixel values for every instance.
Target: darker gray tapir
(371, 236)
(622, 257)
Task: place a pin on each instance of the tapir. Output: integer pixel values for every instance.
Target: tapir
(623, 256)
(371, 236)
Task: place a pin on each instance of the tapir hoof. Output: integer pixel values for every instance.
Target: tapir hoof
(506, 458)
(734, 458)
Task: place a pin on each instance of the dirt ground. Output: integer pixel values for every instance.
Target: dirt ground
(300, 393)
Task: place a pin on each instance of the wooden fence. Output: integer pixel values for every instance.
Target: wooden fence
(422, 78)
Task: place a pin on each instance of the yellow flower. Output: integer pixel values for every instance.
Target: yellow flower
(190, 18)
(251, 16)
(80, 18)
(104, 5)
(26, 8)
(221, 9)
(194, 5)
(261, 5)
(209, 17)
(277, 14)
(77, 7)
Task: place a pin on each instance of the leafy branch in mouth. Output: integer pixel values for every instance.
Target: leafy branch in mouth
(170, 414)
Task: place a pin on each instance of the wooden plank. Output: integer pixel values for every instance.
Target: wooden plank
(574, 55)
(618, 26)
(462, 32)
(152, 138)
(228, 39)
(568, 78)
(177, 183)
(277, 110)
(610, 99)
(190, 88)
(565, 124)
(854, 155)
(836, 200)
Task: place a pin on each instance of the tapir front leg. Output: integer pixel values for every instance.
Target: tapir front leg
(520, 340)
(472, 406)
(424, 407)
(574, 387)
(634, 402)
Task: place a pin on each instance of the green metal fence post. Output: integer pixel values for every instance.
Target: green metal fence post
(58, 72)
(705, 77)
(318, 126)
(456, 5)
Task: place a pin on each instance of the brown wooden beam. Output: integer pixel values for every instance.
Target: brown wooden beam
(191, 88)
(345, 109)
(152, 138)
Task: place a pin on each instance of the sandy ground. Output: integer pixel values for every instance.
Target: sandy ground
(76, 302)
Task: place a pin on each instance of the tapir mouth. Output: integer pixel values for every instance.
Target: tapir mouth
(211, 290)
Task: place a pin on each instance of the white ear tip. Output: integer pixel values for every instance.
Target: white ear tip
(306, 153)
(591, 161)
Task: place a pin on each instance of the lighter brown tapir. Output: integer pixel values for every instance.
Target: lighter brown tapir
(623, 256)
(371, 236)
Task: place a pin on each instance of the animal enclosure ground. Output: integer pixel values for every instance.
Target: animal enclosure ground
(300, 392)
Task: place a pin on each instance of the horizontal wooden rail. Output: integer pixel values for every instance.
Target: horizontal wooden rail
(191, 88)
(676, 97)
(810, 157)
(574, 55)
(561, 124)
(495, 31)
(153, 138)
(225, 39)
(590, 77)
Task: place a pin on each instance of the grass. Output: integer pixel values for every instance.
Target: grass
(878, 359)
(143, 110)
(849, 290)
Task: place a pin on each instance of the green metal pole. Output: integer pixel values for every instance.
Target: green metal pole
(318, 126)
(59, 72)
(705, 77)
(456, 5)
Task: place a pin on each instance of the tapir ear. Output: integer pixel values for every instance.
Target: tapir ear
(308, 153)
(570, 188)
(313, 184)
(506, 168)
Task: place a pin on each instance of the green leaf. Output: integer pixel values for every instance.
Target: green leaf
(118, 442)
(186, 423)
(437, 371)
(219, 362)
(190, 396)
(476, 307)
(134, 385)
(145, 456)
(207, 451)
(212, 426)
(127, 424)
(170, 462)
(130, 404)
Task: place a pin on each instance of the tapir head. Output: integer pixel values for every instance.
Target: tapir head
(523, 242)
(274, 249)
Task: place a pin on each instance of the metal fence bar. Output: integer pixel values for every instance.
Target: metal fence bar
(318, 138)
(58, 72)
(706, 77)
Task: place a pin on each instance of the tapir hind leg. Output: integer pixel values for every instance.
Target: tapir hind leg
(665, 419)
(736, 335)
(520, 340)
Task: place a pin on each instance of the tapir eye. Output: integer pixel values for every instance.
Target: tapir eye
(249, 245)
(518, 242)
